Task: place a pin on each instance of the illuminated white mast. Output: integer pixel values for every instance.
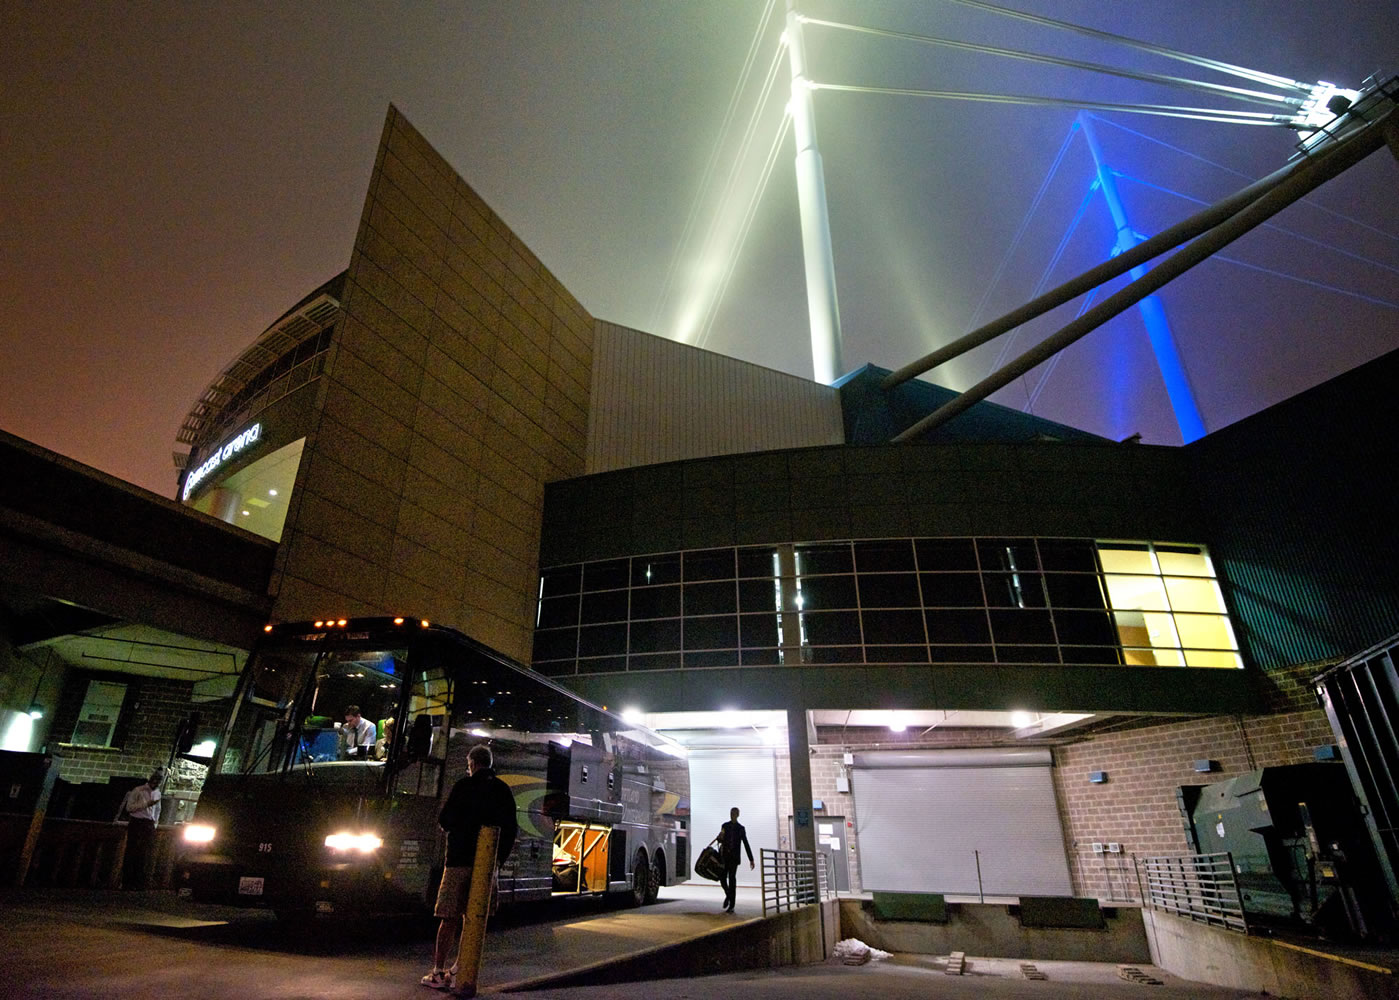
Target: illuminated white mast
(816, 224)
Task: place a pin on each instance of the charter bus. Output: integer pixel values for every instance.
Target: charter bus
(291, 820)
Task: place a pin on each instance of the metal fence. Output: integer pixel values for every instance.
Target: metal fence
(1195, 886)
(794, 878)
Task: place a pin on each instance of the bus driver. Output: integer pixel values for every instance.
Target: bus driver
(359, 733)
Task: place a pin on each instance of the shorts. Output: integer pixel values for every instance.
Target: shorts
(453, 892)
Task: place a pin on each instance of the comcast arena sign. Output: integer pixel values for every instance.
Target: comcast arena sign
(243, 440)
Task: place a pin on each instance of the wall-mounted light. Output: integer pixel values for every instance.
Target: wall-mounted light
(1206, 766)
(36, 711)
(1098, 777)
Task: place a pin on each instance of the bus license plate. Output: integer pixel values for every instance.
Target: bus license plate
(249, 886)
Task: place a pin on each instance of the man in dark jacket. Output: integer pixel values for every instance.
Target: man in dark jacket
(480, 799)
(731, 835)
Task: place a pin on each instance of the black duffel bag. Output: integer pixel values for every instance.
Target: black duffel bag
(708, 864)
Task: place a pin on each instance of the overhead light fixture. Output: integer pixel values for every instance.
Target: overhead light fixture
(36, 711)
(1020, 720)
(897, 723)
(272, 493)
(633, 715)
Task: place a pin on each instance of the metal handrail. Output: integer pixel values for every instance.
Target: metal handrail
(794, 878)
(1199, 887)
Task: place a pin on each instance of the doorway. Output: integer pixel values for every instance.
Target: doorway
(832, 840)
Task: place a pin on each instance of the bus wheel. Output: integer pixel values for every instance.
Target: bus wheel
(641, 892)
(657, 879)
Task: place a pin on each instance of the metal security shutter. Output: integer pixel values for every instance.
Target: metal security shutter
(722, 779)
(923, 817)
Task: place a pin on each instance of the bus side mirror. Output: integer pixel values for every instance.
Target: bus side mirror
(420, 737)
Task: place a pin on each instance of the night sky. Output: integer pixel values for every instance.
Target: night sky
(177, 175)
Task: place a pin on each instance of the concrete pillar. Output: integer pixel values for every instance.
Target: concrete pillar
(799, 746)
(225, 504)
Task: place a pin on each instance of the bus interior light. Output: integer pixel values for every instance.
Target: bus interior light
(198, 833)
(346, 841)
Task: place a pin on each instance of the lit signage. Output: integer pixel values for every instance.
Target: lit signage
(218, 456)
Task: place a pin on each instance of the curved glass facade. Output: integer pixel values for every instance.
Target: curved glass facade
(887, 601)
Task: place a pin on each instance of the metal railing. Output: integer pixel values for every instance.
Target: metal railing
(794, 878)
(1198, 887)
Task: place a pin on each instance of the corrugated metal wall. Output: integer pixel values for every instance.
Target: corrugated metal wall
(656, 400)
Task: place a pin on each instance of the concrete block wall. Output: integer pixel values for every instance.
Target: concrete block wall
(153, 714)
(457, 386)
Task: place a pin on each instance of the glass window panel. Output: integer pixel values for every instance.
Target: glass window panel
(1085, 628)
(1074, 590)
(603, 665)
(958, 627)
(1183, 560)
(558, 611)
(962, 654)
(711, 633)
(606, 606)
(655, 602)
(1093, 655)
(654, 661)
(713, 658)
(607, 575)
(1143, 593)
(757, 595)
(1007, 554)
(832, 654)
(649, 570)
(889, 590)
(1125, 558)
(831, 628)
(896, 654)
(893, 627)
(557, 668)
(709, 564)
(710, 598)
(1212, 658)
(1014, 590)
(760, 657)
(824, 559)
(1071, 554)
(655, 636)
(822, 593)
(952, 590)
(757, 562)
(601, 640)
(883, 556)
(1018, 625)
(1193, 594)
(1205, 632)
(561, 580)
(1026, 654)
(758, 630)
(945, 554)
(556, 644)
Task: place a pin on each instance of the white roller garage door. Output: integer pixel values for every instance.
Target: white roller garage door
(925, 818)
(722, 779)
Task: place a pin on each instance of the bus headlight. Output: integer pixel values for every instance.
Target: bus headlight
(346, 841)
(198, 833)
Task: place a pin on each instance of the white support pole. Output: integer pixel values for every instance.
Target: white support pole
(822, 308)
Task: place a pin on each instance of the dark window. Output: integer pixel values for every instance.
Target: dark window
(562, 580)
(945, 554)
(654, 661)
(1085, 628)
(1107, 655)
(1073, 554)
(757, 562)
(655, 636)
(650, 570)
(1026, 654)
(832, 654)
(1073, 590)
(712, 658)
(603, 665)
(958, 627)
(557, 668)
(758, 630)
(609, 575)
(709, 564)
(1014, 590)
(962, 654)
(824, 593)
(893, 627)
(824, 559)
(556, 644)
(1021, 626)
(757, 595)
(889, 590)
(558, 611)
(655, 602)
(1007, 554)
(601, 640)
(832, 628)
(710, 598)
(885, 556)
(951, 590)
(896, 654)
(607, 606)
(761, 657)
(711, 633)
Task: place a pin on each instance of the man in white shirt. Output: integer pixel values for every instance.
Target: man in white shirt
(141, 807)
(359, 733)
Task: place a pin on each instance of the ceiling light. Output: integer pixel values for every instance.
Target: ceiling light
(633, 715)
(246, 513)
(1020, 720)
(272, 493)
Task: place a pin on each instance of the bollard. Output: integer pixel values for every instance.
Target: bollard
(478, 909)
